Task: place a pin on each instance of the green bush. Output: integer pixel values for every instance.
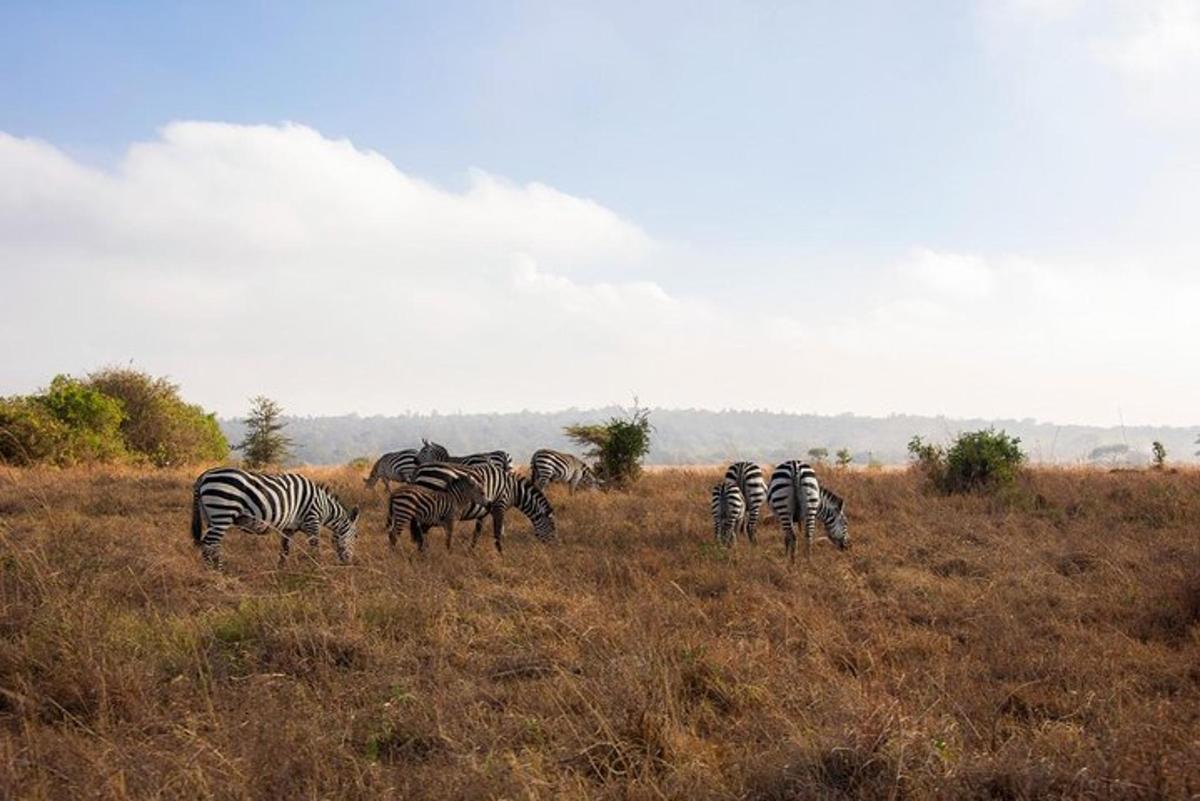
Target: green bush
(115, 415)
(65, 424)
(977, 461)
(159, 426)
(617, 446)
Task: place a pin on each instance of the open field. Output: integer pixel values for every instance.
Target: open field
(1046, 645)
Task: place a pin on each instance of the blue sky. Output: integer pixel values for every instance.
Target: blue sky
(866, 181)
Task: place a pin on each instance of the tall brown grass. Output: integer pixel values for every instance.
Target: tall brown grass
(1043, 644)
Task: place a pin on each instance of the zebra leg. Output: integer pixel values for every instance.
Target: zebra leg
(210, 547)
(418, 534)
(789, 536)
(810, 524)
(478, 531)
(751, 526)
(285, 546)
(498, 527)
(449, 526)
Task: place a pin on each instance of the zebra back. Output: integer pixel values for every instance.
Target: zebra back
(500, 459)
(546, 466)
(749, 478)
(395, 466)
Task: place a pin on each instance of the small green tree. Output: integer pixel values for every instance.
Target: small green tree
(264, 444)
(844, 458)
(978, 460)
(818, 455)
(1160, 455)
(618, 446)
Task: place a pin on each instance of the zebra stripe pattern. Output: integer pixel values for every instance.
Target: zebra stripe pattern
(394, 466)
(547, 466)
(501, 491)
(257, 502)
(749, 479)
(796, 495)
(421, 508)
(432, 452)
(728, 511)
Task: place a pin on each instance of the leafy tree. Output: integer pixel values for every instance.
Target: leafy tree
(818, 455)
(978, 460)
(844, 458)
(159, 426)
(617, 446)
(1160, 455)
(264, 444)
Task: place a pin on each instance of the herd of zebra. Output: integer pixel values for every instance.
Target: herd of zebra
(437, 489)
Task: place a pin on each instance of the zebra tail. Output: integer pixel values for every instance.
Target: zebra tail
(197, 523)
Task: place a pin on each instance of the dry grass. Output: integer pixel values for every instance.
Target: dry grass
(1043, 645)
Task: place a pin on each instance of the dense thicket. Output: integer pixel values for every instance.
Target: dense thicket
(114, 415)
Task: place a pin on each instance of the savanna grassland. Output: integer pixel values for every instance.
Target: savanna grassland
(1043, 644)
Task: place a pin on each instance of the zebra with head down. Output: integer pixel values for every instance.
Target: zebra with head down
(796, 495)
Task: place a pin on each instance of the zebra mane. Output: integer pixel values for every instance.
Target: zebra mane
(833, 498)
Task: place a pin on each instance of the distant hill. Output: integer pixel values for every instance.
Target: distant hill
(693, 436)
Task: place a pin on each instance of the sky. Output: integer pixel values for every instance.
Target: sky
(971, 209)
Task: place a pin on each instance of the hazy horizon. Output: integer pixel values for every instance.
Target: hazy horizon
(981, 211)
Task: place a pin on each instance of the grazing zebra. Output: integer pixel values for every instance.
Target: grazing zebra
(257, 502)
(394, 466)
(421, 508)
(728, 511)
(749, 478)
(501, 491)
(547, 466)
(795, 495)
(432, 452)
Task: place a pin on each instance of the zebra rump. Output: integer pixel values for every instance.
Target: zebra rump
(749, 479)
(728, 511)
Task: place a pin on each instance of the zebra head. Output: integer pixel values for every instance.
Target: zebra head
(431, 452)
(345, 531)
(534, 504)
(836, 525)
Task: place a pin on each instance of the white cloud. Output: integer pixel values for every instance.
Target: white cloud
(248, 259)
(954, 274)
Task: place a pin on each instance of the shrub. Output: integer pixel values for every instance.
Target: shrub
(618, 446)
(1160, 455)
(818, 455)
(978, 460)
(65, 424)
(159, 426)
(844, 458)
(29, 433)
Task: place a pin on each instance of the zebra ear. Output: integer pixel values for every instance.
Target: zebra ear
(353, 514)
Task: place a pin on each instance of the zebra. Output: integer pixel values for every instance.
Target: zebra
(749, 478)
(501, 490)
(547, 466)
(257, 502)
(728, 511)
(795, 494)
(421, 508)
(432, 452)
(394, 466)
